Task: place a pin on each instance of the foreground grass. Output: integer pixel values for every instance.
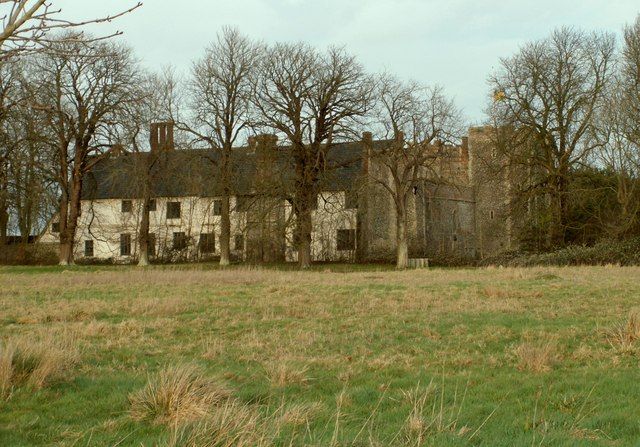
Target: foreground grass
(495, 357)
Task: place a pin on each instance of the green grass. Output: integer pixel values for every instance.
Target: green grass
(501, 357)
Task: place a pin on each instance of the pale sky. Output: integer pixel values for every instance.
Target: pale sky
(454, 43)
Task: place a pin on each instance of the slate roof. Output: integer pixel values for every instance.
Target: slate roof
(183, 173)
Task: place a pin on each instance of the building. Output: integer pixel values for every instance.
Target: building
(353, 218)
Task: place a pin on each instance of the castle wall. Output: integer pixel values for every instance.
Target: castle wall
(440, 217)
(490, 179)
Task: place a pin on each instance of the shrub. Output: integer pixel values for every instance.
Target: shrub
(29, 254)
(177, 394)
(605, 252)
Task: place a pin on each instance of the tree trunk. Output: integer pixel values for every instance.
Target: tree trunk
(4, 223)
(63, 251)
(402, 246)
(4, 213)
(559, 212)
(143, 235)
(66, 251)
(69, 221)
(304, 238)
(225, 231)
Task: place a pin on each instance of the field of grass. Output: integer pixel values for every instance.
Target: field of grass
(254, 357)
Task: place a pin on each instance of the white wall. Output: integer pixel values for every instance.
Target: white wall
(103, 222)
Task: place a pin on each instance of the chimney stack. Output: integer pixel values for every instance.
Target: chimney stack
(265, 147)
(161, 138)
(465, 148)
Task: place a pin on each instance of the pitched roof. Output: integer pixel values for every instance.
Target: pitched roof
(194, 172)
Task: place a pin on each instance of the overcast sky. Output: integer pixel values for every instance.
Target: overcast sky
(454, 43)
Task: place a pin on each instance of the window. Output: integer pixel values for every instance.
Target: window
(217, 207)
(238, 241)
(126, 206)
(179, 240)
(88, 249)
(173, 210)
(151, 244)
(491, 215)
(415, 190)
(207, 243)
(55, 227)
(152, 205)
(346, 239)
(350, 200)
(125, 244)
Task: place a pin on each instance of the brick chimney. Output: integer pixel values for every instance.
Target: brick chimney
(161, 138)
(464, 149)
(265, 147)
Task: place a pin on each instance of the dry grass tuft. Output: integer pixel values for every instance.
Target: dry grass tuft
(281, 374)
(624, 335)
(536, 357)
(177, 394)
(432, 412)
(231, 424)
(35, 363)
(301, 413)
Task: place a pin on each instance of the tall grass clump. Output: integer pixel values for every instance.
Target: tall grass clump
(281, 374)
(625, 334)
(432, 413)
(229, 424)
(177, 394)
(536, 357)
(35, 363)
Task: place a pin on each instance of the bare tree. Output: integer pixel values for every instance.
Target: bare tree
(80, 90)
(30, 189)
(11, 82)
(220, 90)
(630, 83)
(26, 25)
(314, 100)
(619, 131)
(420, 120)
(548, 96)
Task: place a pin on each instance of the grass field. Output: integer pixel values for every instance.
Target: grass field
(241, 357)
